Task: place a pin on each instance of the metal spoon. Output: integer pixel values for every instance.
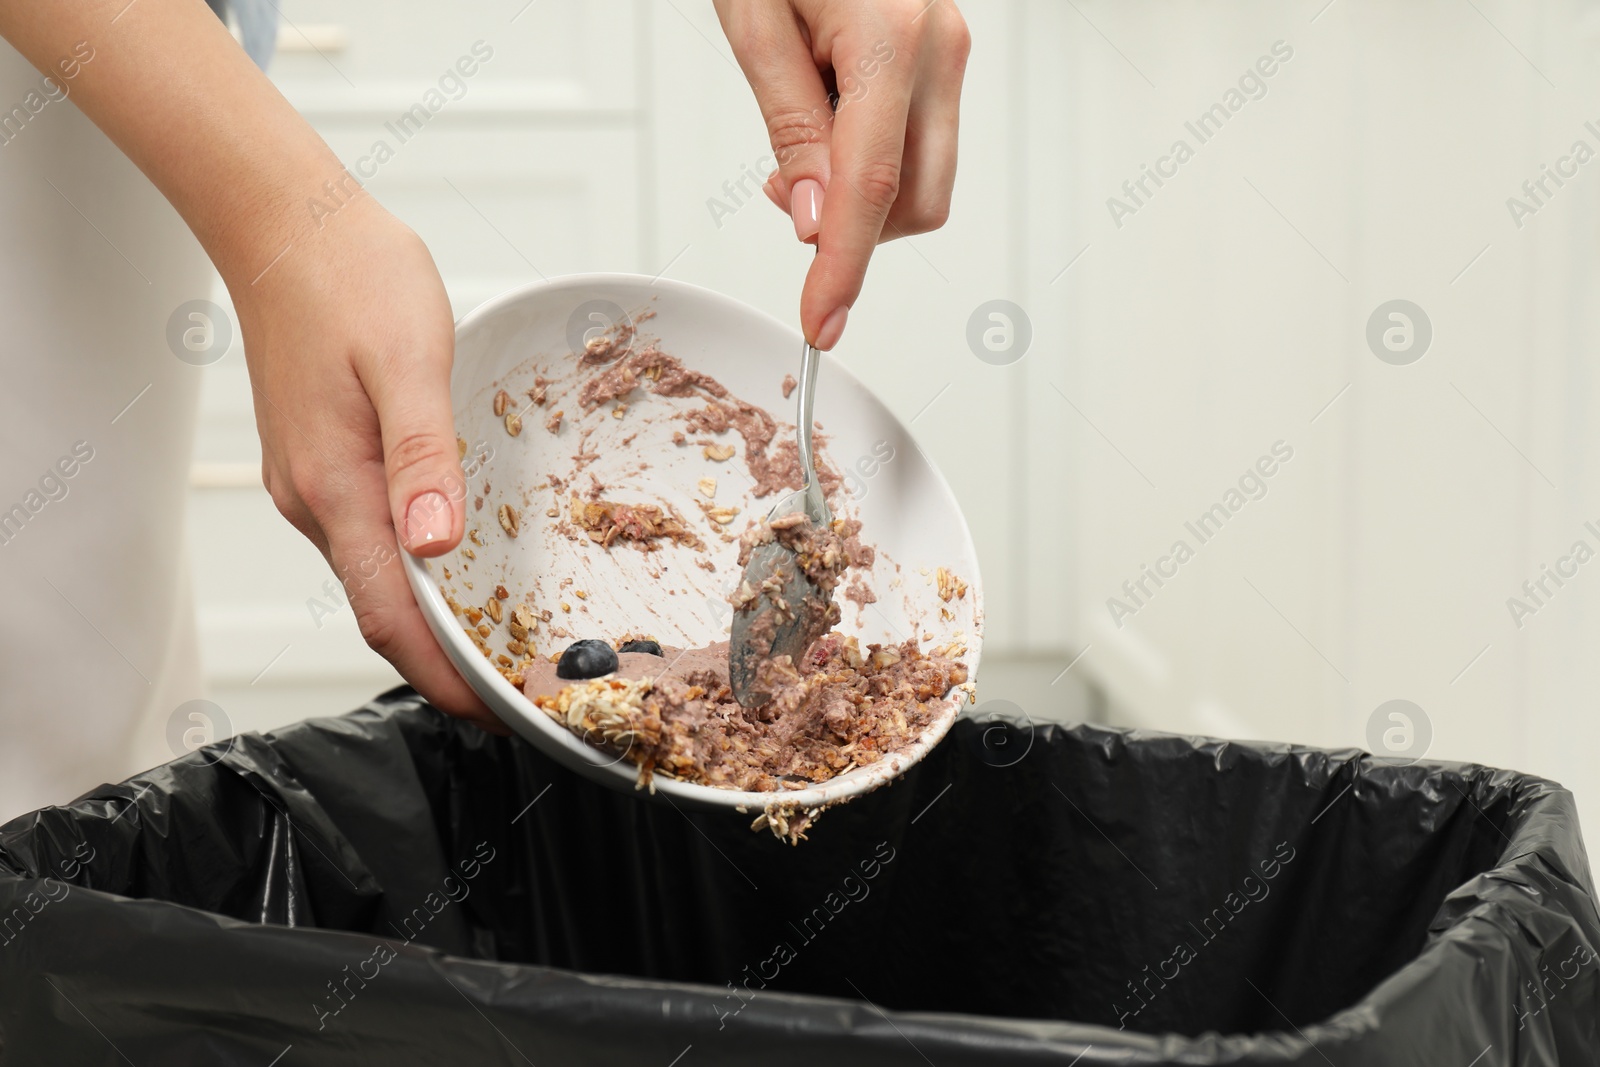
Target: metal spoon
(773, 560)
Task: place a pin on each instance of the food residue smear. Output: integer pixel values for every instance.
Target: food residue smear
(669, 710)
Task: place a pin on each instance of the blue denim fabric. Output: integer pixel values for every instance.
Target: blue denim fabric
(258, 25)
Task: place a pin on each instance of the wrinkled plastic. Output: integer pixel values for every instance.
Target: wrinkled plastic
(395, 887)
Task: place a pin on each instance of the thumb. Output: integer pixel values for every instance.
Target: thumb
(427, 491)
(794, 104)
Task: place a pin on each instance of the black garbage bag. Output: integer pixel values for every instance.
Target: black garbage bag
(393, 887)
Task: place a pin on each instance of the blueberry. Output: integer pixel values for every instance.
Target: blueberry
(586, 659)
(642, 646)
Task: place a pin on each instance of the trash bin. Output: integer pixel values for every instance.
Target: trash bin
(393, 887)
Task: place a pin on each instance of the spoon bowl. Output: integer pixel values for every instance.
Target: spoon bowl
(788, 613)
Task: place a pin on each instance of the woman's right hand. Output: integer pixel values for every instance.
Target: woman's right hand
(884, 164)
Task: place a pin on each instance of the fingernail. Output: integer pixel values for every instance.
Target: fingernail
(427, 519)
(805, 207)
(832, 328)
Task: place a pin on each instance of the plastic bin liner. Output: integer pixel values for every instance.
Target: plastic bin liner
(395, 887)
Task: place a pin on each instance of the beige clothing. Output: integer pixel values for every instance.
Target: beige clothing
(97, 636)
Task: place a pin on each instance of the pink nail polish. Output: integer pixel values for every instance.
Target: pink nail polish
(427, 519)
(832, 328)
(805, 207)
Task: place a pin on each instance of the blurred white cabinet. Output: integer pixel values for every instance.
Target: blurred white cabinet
(594, 139)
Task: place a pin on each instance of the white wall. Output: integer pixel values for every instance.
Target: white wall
(1221, 317)
(1231, 309)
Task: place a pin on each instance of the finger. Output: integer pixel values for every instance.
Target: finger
(275, 478)
(343, 515)
(410, 390)
(869, 135)
(366, 560)
(350, 528)
(775, 57)
(929, 173)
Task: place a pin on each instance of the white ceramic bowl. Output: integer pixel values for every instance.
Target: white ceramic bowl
(906, 508)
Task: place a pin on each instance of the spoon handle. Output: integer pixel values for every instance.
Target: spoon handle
(809, 362)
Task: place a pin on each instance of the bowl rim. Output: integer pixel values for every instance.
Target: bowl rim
(564, 746)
